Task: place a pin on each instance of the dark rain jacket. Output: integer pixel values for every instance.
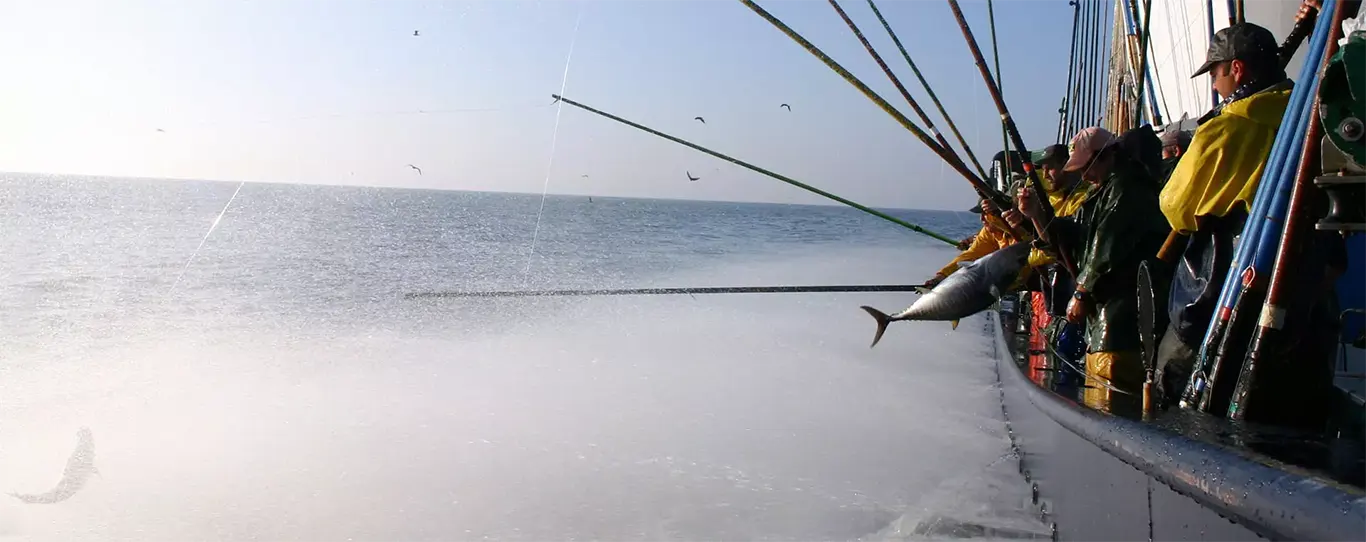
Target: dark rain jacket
(1119, 226)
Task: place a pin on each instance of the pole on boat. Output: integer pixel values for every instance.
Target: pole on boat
(967, 149)
(1269, 337)
(1041, 193)
(1144, 40)
(938, 137)
(675, 291)
(1066, 109)
(1000, 84)
(762, 171)
(985, 190)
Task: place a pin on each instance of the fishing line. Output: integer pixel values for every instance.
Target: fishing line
(212, 227)
(554, 137)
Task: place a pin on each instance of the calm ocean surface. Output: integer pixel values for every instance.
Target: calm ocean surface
(278, 385)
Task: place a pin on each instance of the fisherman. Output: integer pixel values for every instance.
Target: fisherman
(993, 236)
(1174, 145)
(1210, 190)
(1117, 226)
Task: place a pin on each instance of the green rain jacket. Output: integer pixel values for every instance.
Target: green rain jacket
(1120, 225)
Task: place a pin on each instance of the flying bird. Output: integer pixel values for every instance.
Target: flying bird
(79, 467)
(789, 108)
(584, 176)
(160, 130)
(419, 170)
(704, 121)
(414, 32)
(690, 177)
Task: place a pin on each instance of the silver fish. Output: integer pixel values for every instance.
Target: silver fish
(79, 467)
(969, 290)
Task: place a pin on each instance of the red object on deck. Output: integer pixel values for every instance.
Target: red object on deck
(1037, 343)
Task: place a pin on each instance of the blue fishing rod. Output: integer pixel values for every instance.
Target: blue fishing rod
(1257, 245)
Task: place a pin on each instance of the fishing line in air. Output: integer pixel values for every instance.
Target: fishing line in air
(212, 227)
(554, 138)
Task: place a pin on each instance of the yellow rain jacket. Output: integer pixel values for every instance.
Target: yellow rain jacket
(1221, 168)
(990, 238)
(1064, 205)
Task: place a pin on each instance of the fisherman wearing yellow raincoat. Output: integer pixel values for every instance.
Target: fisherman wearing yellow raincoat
(1210, 191)
(993, 236)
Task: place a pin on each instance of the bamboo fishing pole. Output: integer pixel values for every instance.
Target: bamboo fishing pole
(985, 190)
(761, 171)
(1040, 192)
(938, 137)
(675, 291)
(967, 149)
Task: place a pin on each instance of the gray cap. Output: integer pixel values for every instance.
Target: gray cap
(1174, 138)
(1243, 41)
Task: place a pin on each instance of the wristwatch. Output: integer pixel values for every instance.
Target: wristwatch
(1080, 295)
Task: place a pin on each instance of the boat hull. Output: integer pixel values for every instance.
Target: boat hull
(1102, 477)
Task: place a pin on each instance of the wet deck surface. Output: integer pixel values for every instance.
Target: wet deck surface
(1339, 456)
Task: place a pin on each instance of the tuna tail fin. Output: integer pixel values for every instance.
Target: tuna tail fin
(882, 321)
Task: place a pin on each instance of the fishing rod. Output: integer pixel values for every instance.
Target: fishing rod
(938, 137)
(1269, 337)
(967, 149)
(1041, 194)
(983, 189)
(762, 171)
(1209, 387)
(677, 291)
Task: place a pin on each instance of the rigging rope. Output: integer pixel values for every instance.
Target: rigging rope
(554, 138)
(1067, 100)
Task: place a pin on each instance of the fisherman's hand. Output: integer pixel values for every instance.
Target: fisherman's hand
(1027, 204)
(1077, 310)
(1307, 8)
(966, 243)
(1013, 217)
(934, 281)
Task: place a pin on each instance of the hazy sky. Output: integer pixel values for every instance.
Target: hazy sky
(327, 92)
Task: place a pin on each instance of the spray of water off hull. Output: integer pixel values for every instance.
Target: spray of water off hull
(79, 468)
(971, 289)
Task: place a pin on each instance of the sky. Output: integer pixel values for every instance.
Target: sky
(341, 92)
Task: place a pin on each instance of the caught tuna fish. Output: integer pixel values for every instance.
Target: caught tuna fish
(79, 467)
(969, 290)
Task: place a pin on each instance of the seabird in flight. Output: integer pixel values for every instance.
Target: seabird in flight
(789, 108)
(704, 121)
(419, 170)
(690, 177)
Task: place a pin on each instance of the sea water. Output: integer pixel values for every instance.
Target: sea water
(270, 381)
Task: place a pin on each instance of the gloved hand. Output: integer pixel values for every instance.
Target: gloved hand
(934, 281)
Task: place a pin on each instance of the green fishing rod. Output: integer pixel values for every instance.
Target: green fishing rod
(938, 137)
(985, 190)
(762, 171)
(967, 149)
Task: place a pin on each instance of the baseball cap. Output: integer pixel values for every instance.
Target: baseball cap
(976, 209)
(1174, 138)
(1086, 145)
(1052, 153)
(1242, 41)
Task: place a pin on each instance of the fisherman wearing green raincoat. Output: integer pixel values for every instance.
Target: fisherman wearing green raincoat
(1117, 227)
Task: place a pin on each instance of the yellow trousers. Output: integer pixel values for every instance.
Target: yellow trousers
(1121, 370)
